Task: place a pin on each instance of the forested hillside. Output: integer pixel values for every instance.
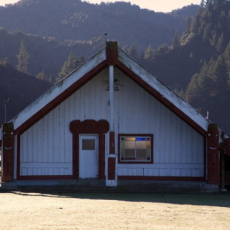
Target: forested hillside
(187, 49)
(77, 20)
(197, 65)
(21, 89)
(45, 54)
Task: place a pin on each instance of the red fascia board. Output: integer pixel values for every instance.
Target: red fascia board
(60, 98)
(160, 98)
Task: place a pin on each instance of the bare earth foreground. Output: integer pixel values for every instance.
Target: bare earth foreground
(113, 211)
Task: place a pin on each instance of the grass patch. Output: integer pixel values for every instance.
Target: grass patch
(113, 211)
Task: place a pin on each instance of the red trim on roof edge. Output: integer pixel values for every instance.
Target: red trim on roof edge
(61, 97)
(160, 98)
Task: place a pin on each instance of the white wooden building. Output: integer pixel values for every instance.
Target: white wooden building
(109, 120)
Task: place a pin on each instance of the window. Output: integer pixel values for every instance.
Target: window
(88, 144)
(135, 148)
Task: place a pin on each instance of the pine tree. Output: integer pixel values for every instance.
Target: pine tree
(42, 76)
(195, 27)
(133, 52)
(176, 40)
(220, 43)
(23, 57)
(80, 61)
(68, 65)
(149, 53)
(72, 62)
(188, 25)
(162, 50)
(227, 58)
(5, 62)
(52, 79)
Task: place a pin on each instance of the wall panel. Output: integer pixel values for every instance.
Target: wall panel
(178, 148)
(46, 147)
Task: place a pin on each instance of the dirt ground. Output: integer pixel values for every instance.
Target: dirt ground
(113, 211)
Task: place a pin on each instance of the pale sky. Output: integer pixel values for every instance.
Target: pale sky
(156, 5)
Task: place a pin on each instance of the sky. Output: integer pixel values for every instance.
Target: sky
(156, 5)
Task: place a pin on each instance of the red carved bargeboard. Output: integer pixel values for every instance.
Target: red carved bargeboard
(8, 152)
(89, 127)
(213, 154)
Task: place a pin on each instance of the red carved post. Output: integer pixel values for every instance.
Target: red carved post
(111, 168)
(111, 143)
(213, 154)
(102, 156)
(8, 152)
(111, 53)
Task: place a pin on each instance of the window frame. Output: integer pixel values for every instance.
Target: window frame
(135, 135)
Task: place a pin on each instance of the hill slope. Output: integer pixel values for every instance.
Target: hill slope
(199, 63)
(76, 20)
(21, 89)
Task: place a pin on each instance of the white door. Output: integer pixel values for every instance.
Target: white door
(88, 156)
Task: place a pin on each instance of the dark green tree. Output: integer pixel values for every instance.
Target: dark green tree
(5, 62)
(176, 40)
(220, 43)
(162, 50)
(149, 53)
(80, 61)
(227, 58)
(52, 79)
(133, 52)
(42, 76)
(23, 58)
(68, 65)
(188, 25)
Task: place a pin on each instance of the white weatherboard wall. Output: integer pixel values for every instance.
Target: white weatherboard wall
(46, 148)
(178, 149)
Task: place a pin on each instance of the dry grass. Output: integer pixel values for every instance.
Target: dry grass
(113, 211)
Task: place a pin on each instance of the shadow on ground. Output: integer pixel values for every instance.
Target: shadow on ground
(218, 200)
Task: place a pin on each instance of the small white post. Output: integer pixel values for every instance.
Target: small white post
(111, 181)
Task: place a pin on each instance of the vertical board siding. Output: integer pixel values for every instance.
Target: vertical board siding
(46, 147)
(178, 148)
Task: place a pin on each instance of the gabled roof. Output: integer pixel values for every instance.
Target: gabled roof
(111, 55)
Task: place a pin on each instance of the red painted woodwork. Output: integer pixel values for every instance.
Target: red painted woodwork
(8, 152)
(135, 135)
(111, 168)
(89, 127)
(111, 53)
(213, 154)
(111, 59)
(111, 143)
(161, 178)
(61, 97)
